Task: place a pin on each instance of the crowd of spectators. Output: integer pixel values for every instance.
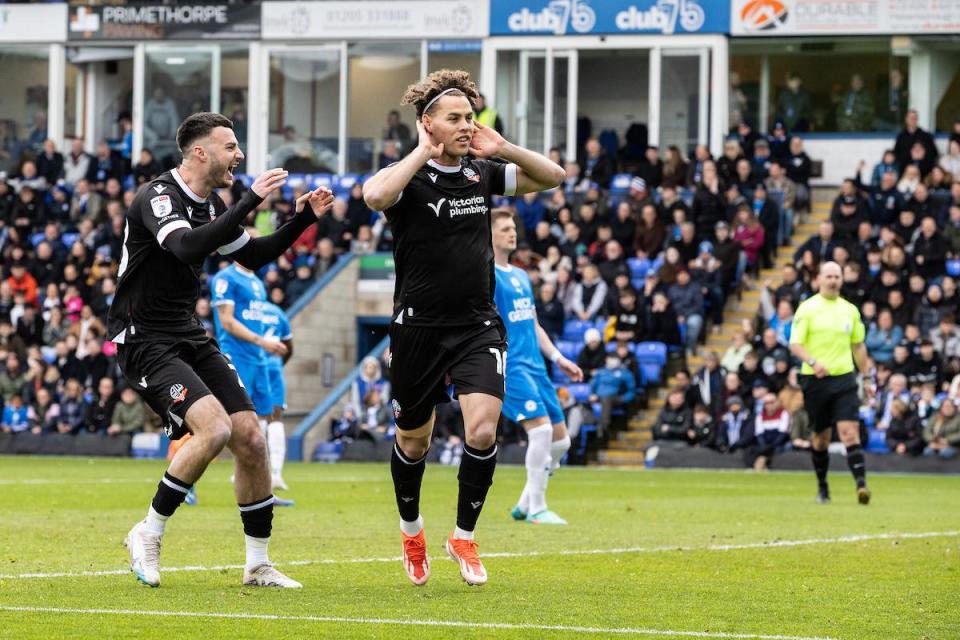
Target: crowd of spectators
(61, 237)
(897, 238)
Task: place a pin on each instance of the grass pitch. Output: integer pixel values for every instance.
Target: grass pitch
(647, 554)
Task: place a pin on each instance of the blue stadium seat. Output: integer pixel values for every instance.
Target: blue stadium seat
(36, 238)
(620, 183)
(568, 349)
(953, 268)
(651, 372)
(245, 179)
(612, 346)
(69, 238)
(600, 324)
(346, 181)
(573, 330)
(580, 391)
(877, 442)
(868, 417)
(651, 353)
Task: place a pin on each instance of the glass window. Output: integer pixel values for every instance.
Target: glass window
(679, 101)
(843, 85)
(613, 95)
(379, 74)
(23, 102)
(178, 83)
(234, 81)
(304, 110)
(944, 56)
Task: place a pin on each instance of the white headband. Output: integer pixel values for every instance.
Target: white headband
(437, 97)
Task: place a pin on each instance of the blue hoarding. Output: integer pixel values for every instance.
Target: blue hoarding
(585, 17)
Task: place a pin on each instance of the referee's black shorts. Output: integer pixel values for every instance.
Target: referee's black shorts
(424, 361)
(830, 399)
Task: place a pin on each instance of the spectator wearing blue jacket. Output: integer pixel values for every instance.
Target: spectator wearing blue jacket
(612, 386)
(687, 301)
(882, 337)
(15, 415)
(531, 211)
(887, 165)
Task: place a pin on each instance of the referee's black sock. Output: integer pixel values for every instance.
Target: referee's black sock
(858, 466)
(821, 463)
(407, 478)
(476, 476)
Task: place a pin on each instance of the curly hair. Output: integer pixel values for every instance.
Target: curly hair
(457, 82)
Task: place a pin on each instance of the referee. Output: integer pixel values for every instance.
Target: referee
(827, 336)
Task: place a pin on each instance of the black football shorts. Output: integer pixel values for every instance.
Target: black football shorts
(425, 361)
(171, 375)
(830, 399)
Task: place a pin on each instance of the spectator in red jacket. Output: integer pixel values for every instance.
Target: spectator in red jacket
(749, 235)
(22, 282)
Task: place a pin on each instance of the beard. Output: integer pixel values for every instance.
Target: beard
(218, 174)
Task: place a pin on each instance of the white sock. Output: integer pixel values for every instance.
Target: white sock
(538, 465)
(524, 501)
(411, 528)
(460, 534)
(155, 523)
(256, 551)
(263, 425)
(277, 442)
(557, 450)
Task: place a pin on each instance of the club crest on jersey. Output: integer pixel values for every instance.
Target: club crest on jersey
(178, 392)
(471, 175)
(396, 409)
(162, 206)
(530, 405)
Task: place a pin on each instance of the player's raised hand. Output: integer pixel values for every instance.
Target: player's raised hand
(268, 182)
(320, 200)
(571, 369)
(426, 142)
(486, 142)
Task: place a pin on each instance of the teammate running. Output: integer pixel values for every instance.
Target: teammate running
(531, 399)
(827, 336)
(276, 326)
(445, 327)
(173, 224)
(239, 300)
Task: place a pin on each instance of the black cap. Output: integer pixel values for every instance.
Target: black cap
(732, 400)
(760, 382)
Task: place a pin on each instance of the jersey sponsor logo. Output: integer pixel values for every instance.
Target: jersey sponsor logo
(471, 175)
(178, 392)
(159, 188)
(170, 218)
(436, 207)
(162, 206)
(523, 309)
(433, 177)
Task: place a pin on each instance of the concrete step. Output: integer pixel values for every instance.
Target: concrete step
(635, 436)
(620, 457)
(624, 445)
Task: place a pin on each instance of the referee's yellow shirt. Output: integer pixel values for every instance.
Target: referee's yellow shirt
(826, 329)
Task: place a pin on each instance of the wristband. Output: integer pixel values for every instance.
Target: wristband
(555, 356)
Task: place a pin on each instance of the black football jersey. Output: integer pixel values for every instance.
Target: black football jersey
(156, 292)
(442, 243)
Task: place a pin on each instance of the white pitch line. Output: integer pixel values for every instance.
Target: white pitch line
(774, 544)
(460, 624)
